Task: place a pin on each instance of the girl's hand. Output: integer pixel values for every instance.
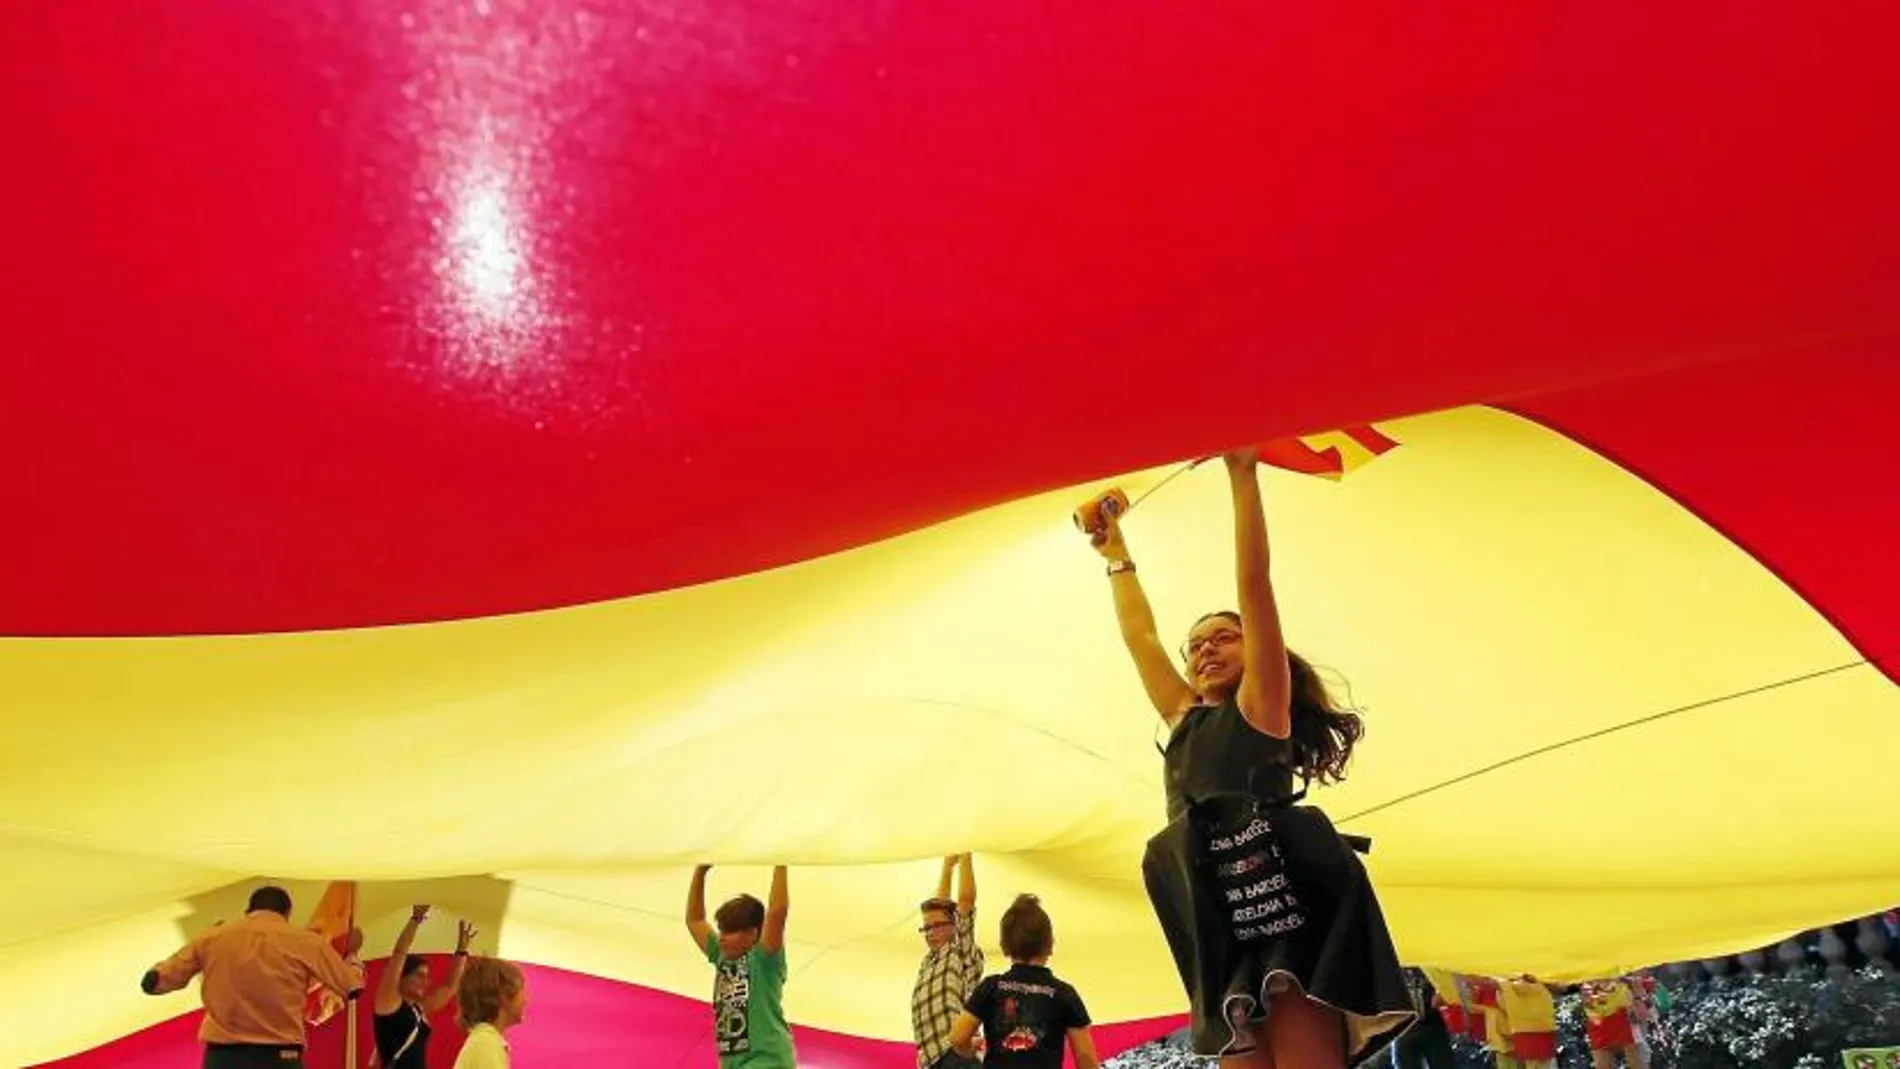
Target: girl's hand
(1107, 538)
(465, 933)
(418, 914)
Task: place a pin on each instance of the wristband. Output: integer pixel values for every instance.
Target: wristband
(1117, 566)
(461, 953)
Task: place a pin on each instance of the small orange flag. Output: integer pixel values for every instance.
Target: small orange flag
(334, 917)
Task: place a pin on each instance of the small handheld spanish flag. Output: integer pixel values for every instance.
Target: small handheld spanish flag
(1329, 455)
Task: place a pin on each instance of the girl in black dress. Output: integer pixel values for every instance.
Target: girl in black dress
(1268, 912)
(400, 1013)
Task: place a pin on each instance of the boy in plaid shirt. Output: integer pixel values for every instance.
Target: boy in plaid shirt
(951, 967)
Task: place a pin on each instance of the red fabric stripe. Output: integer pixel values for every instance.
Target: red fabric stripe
(1795, 457)
(913, 262)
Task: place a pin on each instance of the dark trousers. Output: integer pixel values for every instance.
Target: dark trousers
(1427, 1045)
(250, 1056)
(952, 1060)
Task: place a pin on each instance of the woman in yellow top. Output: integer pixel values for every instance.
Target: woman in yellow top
(1606, 1022)
(1497, 1035)
(1532, 1013)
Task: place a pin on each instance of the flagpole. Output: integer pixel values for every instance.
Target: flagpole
(349, 1004)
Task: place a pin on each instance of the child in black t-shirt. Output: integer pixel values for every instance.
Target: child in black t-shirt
(1026, 1013)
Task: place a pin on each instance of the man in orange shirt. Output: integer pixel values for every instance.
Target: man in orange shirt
(256, 974)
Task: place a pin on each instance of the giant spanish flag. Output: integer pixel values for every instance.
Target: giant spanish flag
(564, 442)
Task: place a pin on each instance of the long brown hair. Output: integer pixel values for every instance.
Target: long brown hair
(1323, 730)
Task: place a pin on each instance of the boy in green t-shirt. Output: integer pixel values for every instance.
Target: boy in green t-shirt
(748, 952)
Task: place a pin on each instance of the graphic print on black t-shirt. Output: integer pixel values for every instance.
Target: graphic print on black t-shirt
(1026, 1013)
(1019, 1034)
(732, 1006)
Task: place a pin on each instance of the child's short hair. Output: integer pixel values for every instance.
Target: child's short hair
(487, 985)
(945, 906)
(1027, 933)
(740, 913)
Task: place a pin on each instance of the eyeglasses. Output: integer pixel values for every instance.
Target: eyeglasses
(1224, 637)
(933, 926)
